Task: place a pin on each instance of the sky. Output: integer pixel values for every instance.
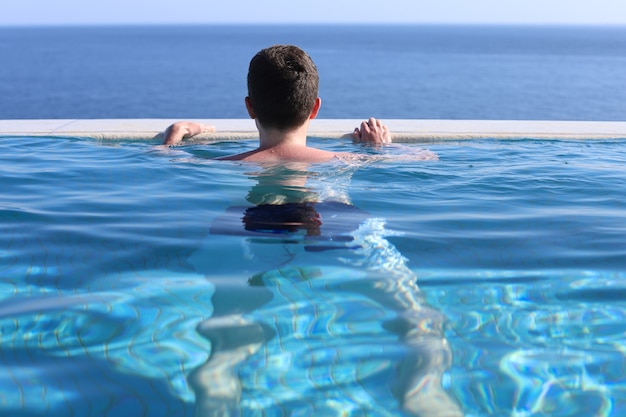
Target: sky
(87, 12)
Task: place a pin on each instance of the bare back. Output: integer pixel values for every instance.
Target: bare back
(290, 153)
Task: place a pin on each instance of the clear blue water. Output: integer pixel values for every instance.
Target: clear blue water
(412, 72)
(493, 280)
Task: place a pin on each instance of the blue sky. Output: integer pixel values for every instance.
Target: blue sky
(28, 12)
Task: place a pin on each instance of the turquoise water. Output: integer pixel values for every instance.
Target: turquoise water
(488, 283)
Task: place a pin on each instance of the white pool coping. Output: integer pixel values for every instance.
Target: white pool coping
(414, 130)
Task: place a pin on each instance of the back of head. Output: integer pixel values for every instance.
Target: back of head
(282, 86)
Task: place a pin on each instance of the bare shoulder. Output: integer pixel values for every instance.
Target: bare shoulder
(237, 157)
(280, 154)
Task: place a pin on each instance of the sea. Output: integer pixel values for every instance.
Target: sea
(385, 71)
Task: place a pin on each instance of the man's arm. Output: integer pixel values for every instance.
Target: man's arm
(181, 130)
(372, 131)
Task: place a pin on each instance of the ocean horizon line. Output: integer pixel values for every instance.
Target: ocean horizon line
(317, 24)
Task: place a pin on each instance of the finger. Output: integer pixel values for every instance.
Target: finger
(365, 128)
(356, 134)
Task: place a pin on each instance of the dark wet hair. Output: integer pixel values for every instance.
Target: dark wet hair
(282, 85)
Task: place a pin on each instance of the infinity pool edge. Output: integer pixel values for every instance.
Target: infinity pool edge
(403, 130)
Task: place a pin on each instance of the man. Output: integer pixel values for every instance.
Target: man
(251, 329)
(282, 99)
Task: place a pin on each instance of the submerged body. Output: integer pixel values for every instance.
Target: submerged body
(308, 251)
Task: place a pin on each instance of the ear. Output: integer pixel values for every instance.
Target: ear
(249, 108)
(316, 108)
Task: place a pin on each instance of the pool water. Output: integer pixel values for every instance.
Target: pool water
(141, 280)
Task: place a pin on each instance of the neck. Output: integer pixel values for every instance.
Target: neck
(270, 138)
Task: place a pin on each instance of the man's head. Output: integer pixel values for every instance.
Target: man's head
(282, 87)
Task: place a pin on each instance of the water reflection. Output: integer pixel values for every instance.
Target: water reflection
(329, 321)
